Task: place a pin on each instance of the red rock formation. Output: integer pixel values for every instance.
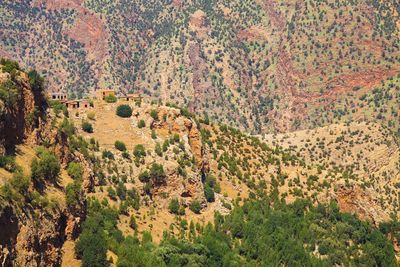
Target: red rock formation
(362, 202)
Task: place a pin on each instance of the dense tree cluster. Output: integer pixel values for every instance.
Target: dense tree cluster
(259, 233)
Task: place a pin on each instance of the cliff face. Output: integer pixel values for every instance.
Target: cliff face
(363, 202)
(33, 234)
(176, 123)
(14, 126)
(33, 238)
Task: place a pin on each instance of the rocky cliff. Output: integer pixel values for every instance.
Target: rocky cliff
(34, 223)
(17, 109)
(176, 123)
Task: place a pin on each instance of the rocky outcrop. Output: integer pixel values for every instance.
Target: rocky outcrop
(18, 120)
(176, 123)
(192, 187)
(33, 237)
(362, 202)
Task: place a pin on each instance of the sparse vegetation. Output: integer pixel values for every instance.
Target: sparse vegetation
(313, 84)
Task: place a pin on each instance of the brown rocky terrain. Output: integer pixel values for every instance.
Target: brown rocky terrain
(317, 81)
(363, 202)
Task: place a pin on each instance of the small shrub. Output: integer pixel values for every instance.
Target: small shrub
(153, 134)
(154, 114)
(209, 193)
(121, 191)
(157, 173)
(195, 206)
(46, 167)
(91, 115)
(120, 145)
(132, 223)
(9, 65)
(174, 206)
(36, 81)
(111, 193)
(20, 182)
(7, 192)
(67, 128)
(75, 170)
(73, 192)
(144, 177)
(139, 151)
(110, 99)
(141, 124)
(87, 127)
(107, 155)
(8, 163)
(158, 150)
(126, 155)
(124, 111)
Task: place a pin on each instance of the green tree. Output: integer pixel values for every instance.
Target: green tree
(9, 65)
(73, 192)
(20, 182)
(154, 114)
(157, 173)
(111, 193)
(107, 155)
(141, 124)
(144, 177)
(158, 149)
(132, 223)
(209, 193)
(87, 127)
(120, 145)
(36, 81)
(195, 206)
(92, 244)
(139, 151)
(124, 111)
(46, 167)
(153, 134)
(174, 206)
(75, 170)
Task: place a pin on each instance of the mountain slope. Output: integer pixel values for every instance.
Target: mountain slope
(260, 65)
(102, 183)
